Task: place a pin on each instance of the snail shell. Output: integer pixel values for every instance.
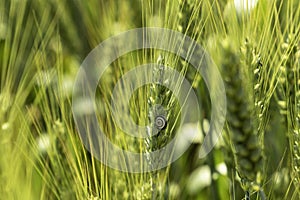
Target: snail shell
(160, 122)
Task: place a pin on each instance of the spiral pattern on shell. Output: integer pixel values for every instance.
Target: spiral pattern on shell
(160, 122)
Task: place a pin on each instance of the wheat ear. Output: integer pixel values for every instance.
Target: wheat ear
(290, 100)
(243, 123)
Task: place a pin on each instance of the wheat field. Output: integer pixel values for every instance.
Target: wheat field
(255, 46)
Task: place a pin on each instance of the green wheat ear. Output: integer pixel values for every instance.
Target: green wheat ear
(157, 109)
(243, 124)
(290, 100)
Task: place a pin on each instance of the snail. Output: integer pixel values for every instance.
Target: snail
(160, 122)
